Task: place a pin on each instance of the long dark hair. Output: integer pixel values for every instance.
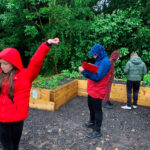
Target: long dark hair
(8, 77)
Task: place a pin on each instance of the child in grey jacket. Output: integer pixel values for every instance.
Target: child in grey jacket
(135, 70)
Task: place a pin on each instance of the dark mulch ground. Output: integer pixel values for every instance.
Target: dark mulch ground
(62, 129)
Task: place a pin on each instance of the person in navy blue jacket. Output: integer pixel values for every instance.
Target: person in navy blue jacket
(96, 88)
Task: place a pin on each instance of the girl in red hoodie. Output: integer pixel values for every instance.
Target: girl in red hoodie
(114, 56)
(15, 85)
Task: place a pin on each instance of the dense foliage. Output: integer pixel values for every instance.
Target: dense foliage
(122, 25)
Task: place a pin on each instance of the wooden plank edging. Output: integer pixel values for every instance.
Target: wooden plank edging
(51, 100)
(46, 99)
(118, 93)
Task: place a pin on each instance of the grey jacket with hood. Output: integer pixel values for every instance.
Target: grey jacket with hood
(135, 69)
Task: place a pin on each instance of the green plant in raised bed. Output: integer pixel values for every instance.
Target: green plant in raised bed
(75, 75)
(124, 79)
(40, 84)
(39, 78)
(54, 82)
(66, 72)
(71, 75)
(147, 79)
(50, 83)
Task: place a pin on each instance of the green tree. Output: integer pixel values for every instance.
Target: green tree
(123, 31)
(118, 25)
(69, 21)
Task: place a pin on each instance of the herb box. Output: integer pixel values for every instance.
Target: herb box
(51, 100)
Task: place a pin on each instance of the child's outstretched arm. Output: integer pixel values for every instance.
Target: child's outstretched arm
(37, 60)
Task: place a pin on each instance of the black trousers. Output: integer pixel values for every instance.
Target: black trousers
(10, 134)
(96, 114)
(132, 85)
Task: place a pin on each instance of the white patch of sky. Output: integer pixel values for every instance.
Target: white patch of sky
(100, 5)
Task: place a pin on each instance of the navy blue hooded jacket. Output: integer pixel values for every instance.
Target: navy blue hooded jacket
(102, 61)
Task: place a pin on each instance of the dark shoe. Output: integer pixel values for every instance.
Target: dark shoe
(110, 103)
(89, 124)
(94, 134)
(108, 106)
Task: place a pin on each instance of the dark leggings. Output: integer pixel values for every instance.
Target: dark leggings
(96, 114)
(10, 134)
(135, 85)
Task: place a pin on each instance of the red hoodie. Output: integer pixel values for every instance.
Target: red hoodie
(18, 111)
(114, 56)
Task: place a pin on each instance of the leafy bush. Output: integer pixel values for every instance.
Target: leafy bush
(147, 79)
(25, 24)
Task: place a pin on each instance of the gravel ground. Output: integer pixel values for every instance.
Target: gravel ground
(63, 130)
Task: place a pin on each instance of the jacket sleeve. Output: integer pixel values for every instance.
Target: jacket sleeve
(36, 62)
(111, 75)
(102, 71)
(127, 67)
(144, 69)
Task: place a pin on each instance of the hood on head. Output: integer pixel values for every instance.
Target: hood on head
(12, 56)
(98, 50)
(136, 60)
(115, 55)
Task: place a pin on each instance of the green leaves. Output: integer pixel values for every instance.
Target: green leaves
(26, 24)
(147, 79)
(55, 81)
(31, 31)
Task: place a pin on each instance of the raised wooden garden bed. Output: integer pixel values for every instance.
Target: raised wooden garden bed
(118, 93)
(52, 99)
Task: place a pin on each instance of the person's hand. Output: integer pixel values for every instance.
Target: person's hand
(81, 69)
(53, 41)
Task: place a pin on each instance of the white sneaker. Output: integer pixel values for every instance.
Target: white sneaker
(125, 107)
(135, 106)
